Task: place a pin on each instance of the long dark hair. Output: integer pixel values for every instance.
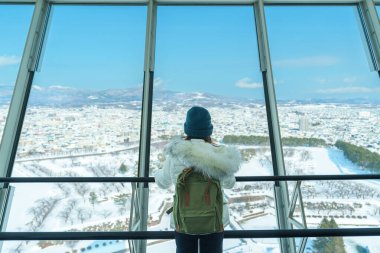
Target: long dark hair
(206, 139)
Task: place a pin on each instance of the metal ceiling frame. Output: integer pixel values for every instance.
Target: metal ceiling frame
(192, 2)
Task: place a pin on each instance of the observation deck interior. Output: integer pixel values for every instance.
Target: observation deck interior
(91, 91)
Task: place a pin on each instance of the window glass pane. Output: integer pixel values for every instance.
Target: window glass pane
(83, 116)
(328, 100)
(347, 202)
(208, 56)
(349, 244)
(70, 207)
(229, 245)
(329, 107)
(98, 246)
(83, 119)
(14, 25)
(110, 246)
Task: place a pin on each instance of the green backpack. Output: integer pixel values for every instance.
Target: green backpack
(198, 204)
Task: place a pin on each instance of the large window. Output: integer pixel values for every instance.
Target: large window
(208, 56)
(83, 119)
(326, 92)
(14, 25)
(328, 105)
(86, 100)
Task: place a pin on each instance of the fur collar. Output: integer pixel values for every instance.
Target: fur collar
(216, 161)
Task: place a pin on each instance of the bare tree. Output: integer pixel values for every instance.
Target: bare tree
(66, 190)
(41, 211)
(105, 213)
(19, 248)
(82, 190)
(65, 214)
(71, 245)
(83, 215)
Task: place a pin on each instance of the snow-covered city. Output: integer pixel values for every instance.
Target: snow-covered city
(103, 140)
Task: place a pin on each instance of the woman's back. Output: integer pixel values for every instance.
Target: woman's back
(199, 169)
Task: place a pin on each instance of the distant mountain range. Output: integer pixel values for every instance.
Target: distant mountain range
(61, 96)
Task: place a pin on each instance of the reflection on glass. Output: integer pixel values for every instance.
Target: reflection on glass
(14, 25)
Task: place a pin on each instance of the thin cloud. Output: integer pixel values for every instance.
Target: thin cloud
(37, 87)
(246, 83)
(60, 87)
(8, 60)
(6, 89)
(322, 81)
(311, 61)
(353, 89)
(158, 82)
(278, 81)
(6, 85)
(350, 79)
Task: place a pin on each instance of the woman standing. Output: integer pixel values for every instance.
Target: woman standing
(198, 152)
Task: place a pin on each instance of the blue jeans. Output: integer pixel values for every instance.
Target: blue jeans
(209, 243)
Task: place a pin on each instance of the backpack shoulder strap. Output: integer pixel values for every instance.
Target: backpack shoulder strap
(181, 181)
(182, 176)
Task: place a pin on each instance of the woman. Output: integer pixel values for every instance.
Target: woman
(199, 152)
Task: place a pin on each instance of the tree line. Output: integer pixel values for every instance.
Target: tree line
(359, 155)
(264, 140)
(356, 154)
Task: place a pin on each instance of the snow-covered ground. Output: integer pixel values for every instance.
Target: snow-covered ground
(352, 204)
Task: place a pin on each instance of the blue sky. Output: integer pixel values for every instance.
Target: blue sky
(14, 21)
(317, 52)
(322, 56)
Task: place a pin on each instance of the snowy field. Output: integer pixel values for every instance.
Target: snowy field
(105, 207)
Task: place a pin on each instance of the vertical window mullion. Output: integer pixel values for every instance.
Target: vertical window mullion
(146, 118)
(281, 189)
(13, 125)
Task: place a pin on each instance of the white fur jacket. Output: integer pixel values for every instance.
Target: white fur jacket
(217, 161)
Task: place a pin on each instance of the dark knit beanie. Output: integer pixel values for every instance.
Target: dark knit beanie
(198, 122)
